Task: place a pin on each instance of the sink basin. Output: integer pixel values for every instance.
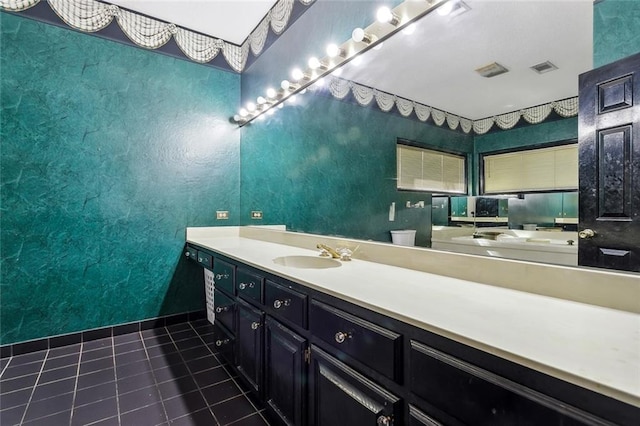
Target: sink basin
(307, 262)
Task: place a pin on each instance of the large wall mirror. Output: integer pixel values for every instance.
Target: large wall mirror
(332, 162)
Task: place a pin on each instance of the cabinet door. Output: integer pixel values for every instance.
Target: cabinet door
(285, 373)
(249, 338)
(341, 396)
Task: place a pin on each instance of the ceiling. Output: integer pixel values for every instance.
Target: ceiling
(230, 20)
(435, 65)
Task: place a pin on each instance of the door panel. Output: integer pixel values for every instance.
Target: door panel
(249, 344)
(609, 152)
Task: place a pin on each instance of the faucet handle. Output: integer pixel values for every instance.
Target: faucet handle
(324, 253)
(345, 253)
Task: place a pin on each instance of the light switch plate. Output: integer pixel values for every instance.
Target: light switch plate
(222, 214)
(256, 214)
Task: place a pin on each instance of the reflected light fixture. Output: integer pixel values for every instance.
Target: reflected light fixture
(261, 100)
(251, 106)
(359, 36)
(285, 85)
(243, 112)
(297, 74)
(386, 16)
(271, 93)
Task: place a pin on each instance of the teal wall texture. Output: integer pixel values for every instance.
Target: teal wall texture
(108, 153)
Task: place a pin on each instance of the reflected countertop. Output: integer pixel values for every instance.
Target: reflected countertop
(591, 346)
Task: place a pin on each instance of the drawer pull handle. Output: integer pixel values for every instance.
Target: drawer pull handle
(221, 309)
(341, 336)
(222, 342)
(255, 325)
(384, 421)
(220, 276)
(280, 303)
(242, 286)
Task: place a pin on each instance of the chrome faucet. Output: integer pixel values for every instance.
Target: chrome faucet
(341, 253)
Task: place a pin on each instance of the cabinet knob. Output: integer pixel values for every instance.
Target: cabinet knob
(255, 325)
(221, 276)
(384, 421)
(187, 254)
(341, 336)
(587, 233)
(199, 259)
(242, 286)
(280, 303)
(222, 342)
(221, 309)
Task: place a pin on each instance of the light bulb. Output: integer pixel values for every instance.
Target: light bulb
(261, 100)
(292, 99)
(385, 15)
(280, 106)
(285, 85)
(261, 117)
(357, 61)
(251, 106)
(297, 74)
(314, 63)
(358, 35)
(271, 92)
(337, 72)
(236, 118)
(303, 91)
(243, 112)
(320, 82)
(271, 112)
(378, 46)
(334, 50)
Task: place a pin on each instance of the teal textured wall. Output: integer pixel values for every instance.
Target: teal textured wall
(108, 153)
(327, 166)
(616, 30)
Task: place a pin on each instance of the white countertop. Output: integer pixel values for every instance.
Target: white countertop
(591, 346)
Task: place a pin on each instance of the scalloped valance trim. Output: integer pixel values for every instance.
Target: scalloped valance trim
(340, 88)
(93, 15)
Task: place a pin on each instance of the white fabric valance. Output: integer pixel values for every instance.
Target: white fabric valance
(93, 15)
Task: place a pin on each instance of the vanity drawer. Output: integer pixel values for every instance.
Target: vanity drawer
(287, 303)
(225, 309)
(250, 285)
(372, 345)
(224, 343)
(476, 396)
(224, 275)
(205, 259)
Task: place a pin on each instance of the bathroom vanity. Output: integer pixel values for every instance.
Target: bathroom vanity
(327, 342)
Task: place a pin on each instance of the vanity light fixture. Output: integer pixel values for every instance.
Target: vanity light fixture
(315, 64)
(362, 40)
(333, 50)
(453, 8)
(297, 74)
(271, 93)
(359, 36)
(386, 16)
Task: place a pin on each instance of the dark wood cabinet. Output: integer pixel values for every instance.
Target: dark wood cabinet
(341, 396)
(249, 343)
(285, 369)
(317, 360)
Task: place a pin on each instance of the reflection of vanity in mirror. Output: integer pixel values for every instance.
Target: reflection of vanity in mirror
(534, 227)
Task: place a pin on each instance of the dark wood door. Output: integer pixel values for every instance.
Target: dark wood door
(341, 396)
(249, 338)
(609, 150)
(285, 372)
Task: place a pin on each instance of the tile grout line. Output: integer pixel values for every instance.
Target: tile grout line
(231, 377)
(115, 375)
(75, 387)
(144, 345)
(6, 366)
(33, 389)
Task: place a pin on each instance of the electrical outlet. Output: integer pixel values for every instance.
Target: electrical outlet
(256, 214)
(222, 215)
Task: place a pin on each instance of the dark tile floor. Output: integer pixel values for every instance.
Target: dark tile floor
(164, 376)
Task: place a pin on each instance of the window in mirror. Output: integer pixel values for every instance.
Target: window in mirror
(545, 169)
(435, 171)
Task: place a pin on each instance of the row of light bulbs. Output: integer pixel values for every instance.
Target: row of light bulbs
(318, 68)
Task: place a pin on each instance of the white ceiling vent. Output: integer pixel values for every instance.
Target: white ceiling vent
(543, 67)
(491, 70)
